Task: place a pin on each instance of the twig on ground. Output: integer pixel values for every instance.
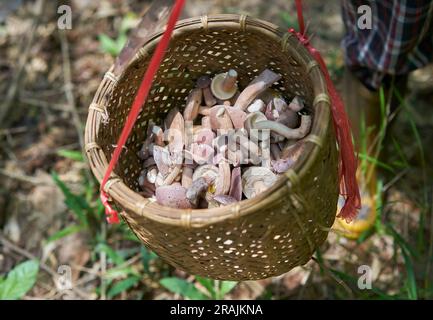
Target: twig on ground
(18, 74)
(69, 87)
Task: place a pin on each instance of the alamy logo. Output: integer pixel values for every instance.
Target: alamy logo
(365, 21)
(65, 20)
(365, 278)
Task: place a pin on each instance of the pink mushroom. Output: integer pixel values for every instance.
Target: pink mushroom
(173, 196)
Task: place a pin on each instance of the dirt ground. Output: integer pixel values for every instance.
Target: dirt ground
(47, 81)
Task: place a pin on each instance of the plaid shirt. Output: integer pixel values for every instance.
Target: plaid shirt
(400, 40)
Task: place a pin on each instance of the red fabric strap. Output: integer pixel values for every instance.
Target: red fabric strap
(140, 98)
(348, 163)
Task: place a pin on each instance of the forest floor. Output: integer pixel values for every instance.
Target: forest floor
(47, 81)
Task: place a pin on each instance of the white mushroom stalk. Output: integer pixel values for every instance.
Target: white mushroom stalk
(284, 131)
(259, 85)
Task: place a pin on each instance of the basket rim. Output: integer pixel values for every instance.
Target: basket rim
(133, 202)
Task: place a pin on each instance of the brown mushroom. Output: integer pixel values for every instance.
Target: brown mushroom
(175, 135)
(236, 184)
(237, 116)
(220, 119)
(187, 173)
(222, 183)
(173, 196)
(260, 84)
(224, 85)
(169, 118)
(204, 83)
(162, 159)
(192, 105)
(256, 180)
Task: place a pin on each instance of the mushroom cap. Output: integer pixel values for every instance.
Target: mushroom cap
(173, 196)
(217, 88)
(256, 180)
(204, 82)
(207, 171)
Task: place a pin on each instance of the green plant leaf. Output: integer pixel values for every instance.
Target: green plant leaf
(77, 204)
(116, 258)
(108, 45)
(65, 232)
(71, 154)
(182, 287)
(146, 257)
(209, 284)
(122, 286)
(19, 280)
(226, 287)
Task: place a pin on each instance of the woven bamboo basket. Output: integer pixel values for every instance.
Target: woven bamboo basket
(254, 239)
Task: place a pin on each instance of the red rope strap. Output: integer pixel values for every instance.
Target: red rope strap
(140, 98)
(348, 164)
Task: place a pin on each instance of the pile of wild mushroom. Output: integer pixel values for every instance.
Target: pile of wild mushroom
(226, 146)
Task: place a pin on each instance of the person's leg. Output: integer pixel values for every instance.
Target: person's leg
(400, 41)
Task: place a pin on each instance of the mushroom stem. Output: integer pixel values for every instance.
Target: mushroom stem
(204, 111)
(209, 99)
(187, 177)
(222, 183)
(284, 131)
(275, 151)
(172, 175)
(230, 79)
(192, 105)
(256, 87)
